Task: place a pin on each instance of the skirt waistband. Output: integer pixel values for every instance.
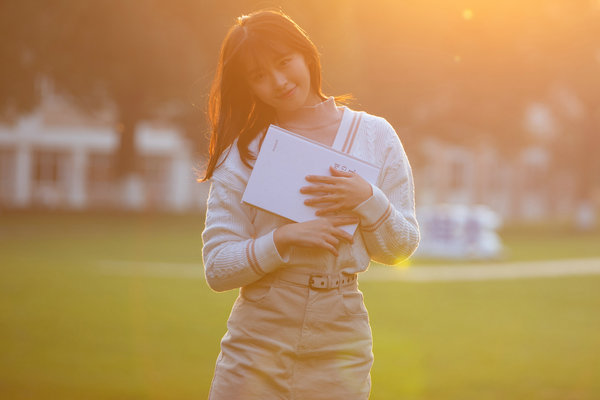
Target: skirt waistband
(317, 281)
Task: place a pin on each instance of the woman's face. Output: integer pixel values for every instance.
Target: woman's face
(282, 81)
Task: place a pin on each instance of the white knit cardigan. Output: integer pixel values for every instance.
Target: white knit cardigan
(238, 238)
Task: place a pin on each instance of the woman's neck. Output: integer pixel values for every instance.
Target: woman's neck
(321, 114)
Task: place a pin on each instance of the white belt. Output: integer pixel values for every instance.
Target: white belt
(318, 281)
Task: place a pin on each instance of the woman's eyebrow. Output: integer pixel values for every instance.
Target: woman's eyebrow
(284, 55)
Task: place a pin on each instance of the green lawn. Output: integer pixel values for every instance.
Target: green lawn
(70, 329)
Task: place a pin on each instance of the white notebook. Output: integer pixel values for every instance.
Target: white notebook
(285, 159)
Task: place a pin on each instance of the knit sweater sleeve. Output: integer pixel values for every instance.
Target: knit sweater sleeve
(388, 223)
(233, 254)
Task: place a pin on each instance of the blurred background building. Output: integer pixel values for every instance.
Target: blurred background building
(60, 158)
(498, 104)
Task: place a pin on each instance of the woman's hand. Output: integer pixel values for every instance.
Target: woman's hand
(322, 233)
(340, 192)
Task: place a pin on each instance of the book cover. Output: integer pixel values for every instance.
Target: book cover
(284, 160)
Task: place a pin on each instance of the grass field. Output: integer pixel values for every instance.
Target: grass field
(72, 329)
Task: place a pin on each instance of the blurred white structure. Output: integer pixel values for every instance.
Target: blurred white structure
(458, 231)
(524, 187)
(57, 158)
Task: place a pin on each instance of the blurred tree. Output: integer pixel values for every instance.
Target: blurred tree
(572, 64)
(21, 54)
(136, 57)
(463, 75)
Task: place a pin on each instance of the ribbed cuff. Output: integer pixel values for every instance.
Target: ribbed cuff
(266, 255)
(374, 210)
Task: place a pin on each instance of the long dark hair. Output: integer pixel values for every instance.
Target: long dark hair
(233, 110)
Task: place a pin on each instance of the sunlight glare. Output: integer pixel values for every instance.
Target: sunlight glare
(403, 264)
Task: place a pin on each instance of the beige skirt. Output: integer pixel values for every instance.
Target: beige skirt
(288, 340)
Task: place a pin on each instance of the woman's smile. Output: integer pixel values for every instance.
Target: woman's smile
(288, 94)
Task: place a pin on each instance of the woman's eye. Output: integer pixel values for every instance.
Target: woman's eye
(286, 61)
(257, 76)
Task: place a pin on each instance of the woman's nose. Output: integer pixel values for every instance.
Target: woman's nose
(279, 79)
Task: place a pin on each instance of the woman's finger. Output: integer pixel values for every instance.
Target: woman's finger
(342, 234)
(316, 189)
(329, 210)
(337, 172)
(332, 240)
(321, 179)
(330, 198)
(329, 248)
(339, 233)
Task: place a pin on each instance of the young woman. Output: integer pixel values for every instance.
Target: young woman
(299, 328)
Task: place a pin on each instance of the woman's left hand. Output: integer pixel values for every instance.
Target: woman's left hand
(340, 192)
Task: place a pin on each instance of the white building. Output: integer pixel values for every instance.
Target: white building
(518, 188)
(57, 158)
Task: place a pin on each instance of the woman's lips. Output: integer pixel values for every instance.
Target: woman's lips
(288, 94)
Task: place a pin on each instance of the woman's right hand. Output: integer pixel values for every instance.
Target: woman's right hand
(323, 233)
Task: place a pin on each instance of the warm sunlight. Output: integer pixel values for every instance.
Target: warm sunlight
(467, 14)
(129, 135)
